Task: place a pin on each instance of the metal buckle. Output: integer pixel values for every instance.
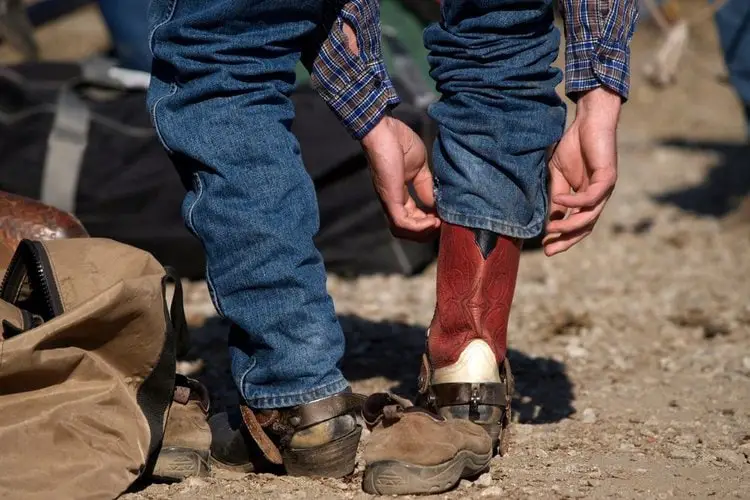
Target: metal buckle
(474, 401)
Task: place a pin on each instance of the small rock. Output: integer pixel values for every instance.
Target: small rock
(731, 457)
(494, 492)
(575, 351)
(540, 453)
(627, 447)
(681, 453)
(589, 416)
(667, 364)
(465, 485)
(194, 482)
(485, 480)
(641, 471)
(746, 363)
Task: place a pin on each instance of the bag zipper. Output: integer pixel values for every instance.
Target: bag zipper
(31, 260)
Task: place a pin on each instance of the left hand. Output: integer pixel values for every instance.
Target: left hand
(584, 162)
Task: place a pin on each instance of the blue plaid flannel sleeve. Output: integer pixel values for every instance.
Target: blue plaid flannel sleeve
(597, 53)
(356, 87)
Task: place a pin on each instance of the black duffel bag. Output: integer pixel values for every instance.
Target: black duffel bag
(79, 137)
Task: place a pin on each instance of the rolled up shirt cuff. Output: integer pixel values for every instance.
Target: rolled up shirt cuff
(360, 103)
(591, 64)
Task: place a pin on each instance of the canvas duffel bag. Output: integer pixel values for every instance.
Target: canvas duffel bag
(87, 367)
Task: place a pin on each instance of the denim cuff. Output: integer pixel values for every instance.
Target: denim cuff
(294, 399)
(590, 64)
(498, 226)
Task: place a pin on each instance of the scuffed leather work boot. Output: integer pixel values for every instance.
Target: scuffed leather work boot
(412, 451)
(24, 218)
(319, 438)
(465, 373)
(187, 436)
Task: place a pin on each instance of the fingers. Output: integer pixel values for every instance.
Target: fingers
(599, 188)
(579, 220)
(558, 243)
(558, 185)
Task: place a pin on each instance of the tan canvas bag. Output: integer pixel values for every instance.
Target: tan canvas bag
(87, 367)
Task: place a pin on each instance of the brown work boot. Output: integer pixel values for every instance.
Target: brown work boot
(465, 373)
(24, 218)
(412, 451)
(187, 436)
(319, 438)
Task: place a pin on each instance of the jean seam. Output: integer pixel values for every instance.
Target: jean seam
(170, 14)
(189, 218)
(172, 91)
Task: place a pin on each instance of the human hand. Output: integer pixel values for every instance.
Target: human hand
(398, 159)
(584, 162)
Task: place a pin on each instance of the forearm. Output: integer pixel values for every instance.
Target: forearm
(350, 75)
(598, 35)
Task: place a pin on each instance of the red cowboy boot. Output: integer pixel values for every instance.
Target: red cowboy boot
(465, 373)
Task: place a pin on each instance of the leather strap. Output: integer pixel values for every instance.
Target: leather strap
(324, 409)
(373, 409)
(269, 449)
(387, 407)
(493, 394)
(65, 149)
(187, 389)
(287, 421)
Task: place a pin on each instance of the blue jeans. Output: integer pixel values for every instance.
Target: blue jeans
(222, 74)
(733, 22)
(498, 113)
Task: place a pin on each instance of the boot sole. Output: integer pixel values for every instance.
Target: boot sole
(175, 464)
(392, 477)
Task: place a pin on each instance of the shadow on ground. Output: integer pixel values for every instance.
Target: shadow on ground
(726, 185)
(392, 351)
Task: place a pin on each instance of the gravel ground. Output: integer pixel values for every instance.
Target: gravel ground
(631, 352)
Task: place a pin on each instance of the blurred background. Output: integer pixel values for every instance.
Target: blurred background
(642, 331)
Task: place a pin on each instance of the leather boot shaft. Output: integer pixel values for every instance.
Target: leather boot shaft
(476, 279)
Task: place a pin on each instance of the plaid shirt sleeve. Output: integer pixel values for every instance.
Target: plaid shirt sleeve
(598, 34)
(356, 87)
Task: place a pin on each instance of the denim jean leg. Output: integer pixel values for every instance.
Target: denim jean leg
(733, 23)
(222, 75)
(498, 114)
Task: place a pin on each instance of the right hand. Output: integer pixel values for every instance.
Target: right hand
(584, 162)
(398, 159)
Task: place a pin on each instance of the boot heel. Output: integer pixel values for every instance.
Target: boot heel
(334, 459)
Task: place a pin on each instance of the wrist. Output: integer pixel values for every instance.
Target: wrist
(601, 104)
(383, 127)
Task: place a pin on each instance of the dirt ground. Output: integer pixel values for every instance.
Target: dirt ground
(631, 352)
